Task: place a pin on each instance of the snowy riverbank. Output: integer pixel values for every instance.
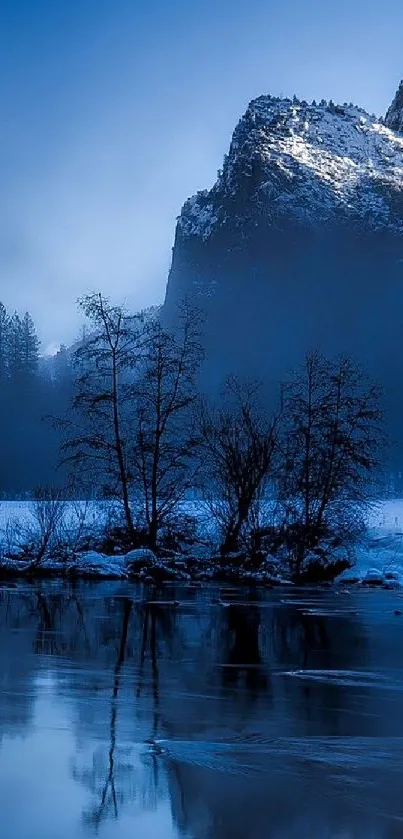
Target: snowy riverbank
(378, 557)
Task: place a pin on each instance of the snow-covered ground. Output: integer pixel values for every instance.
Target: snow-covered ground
(382, 548)
(22, 513)
(380, 553)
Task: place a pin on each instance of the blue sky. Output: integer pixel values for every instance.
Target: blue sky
(113, 112)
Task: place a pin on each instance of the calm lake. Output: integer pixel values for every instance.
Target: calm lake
(229, 714)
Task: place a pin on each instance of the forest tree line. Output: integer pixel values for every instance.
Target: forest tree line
(33, 389)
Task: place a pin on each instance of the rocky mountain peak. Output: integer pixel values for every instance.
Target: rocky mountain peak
(299, 244)
(394, 115)
(313, 163)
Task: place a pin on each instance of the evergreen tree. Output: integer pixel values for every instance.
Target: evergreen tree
(62, 366)
(29, 346)
(4, 343)
(15, 346)
(23, 347)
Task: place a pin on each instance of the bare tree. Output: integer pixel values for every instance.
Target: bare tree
(39, 537)
(164, 439)
(331, 445)
(237, 445)
(76, 530)
(98, 443)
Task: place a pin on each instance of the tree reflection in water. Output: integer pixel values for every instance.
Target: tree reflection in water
(145, 628)
(198, 706)
(158, 624)
(106, 790)
(241, 647)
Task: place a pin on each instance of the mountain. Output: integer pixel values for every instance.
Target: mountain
(394, 115)
(299, 243)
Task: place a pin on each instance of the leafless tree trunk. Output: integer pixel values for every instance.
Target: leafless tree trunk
(332, 440)
(105, 359)
(42, 533)
(237, 446)
(165, 395)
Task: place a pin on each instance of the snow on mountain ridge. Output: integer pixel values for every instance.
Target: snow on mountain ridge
(308, 163)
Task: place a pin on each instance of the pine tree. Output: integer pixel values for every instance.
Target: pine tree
(29, 346)
(15, 346)
(62, 367)
(23, 347)
(4, 343)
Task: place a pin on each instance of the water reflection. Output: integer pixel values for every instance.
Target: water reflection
(200, 713)
(101, 781)
(243, 664)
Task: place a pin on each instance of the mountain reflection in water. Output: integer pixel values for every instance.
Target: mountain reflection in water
(200, 713)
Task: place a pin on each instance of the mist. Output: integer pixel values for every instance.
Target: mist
(111, 119)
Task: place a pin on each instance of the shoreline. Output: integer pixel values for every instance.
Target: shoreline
(141, 566)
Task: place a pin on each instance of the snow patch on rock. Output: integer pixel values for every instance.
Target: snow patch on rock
(97, 565)
(309, 163)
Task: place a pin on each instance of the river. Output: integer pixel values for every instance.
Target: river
(200, 713)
